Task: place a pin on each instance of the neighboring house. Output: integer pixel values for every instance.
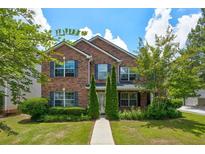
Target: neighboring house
(69, 82)
(8, 105)
(196, 101)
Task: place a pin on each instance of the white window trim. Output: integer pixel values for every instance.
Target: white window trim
(128, 99)
(54, 104)
(128, 73)
(102, 71)
(63, 68)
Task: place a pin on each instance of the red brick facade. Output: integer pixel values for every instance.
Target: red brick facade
(86, 67)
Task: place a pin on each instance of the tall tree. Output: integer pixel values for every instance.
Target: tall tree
(21, 41)
(93, 105)
(196, 45)
(154, 63)
(108, 110)
(114, 96)
(184, 80)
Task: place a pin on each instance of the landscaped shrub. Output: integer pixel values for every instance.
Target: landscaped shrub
(157, 110)
(93, 105)
(177, 103)
(63, 118)
(162, 109)
(133, 114)
(67, 111)
(35, 107)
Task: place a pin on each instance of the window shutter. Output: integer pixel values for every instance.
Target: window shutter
(52, 69)
(96, 71)
(76, 98)
(109, 68)
(51, 100)
(76, 68)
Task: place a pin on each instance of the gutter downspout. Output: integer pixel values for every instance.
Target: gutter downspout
(89, 69)
(118, 70)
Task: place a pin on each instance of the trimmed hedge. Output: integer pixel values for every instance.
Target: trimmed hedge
(35, 107)
(63, 118)
(77, 111)
(159, 109)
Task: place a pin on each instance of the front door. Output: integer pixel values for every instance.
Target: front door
(101, 98)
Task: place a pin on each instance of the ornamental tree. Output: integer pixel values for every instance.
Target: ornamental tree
(93, 105)
(108, 101)
(114, 96)
(21, 43)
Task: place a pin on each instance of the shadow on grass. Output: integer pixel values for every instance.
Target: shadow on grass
(183, 124)
(28, 121)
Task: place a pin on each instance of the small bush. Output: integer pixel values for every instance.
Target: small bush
(35, 107)
(133, 114)
(63, 118)
(67, 111)
(162, 109)
(177, 103)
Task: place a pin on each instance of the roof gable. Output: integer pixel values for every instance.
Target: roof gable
(99, 49)
(65, 43)
(113, 45)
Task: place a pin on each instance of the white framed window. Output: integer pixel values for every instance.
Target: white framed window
(127, 74)
(65, 69)
(62, 98)
(102, 71)
(128, 99)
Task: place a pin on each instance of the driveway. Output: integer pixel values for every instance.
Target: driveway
(195, 109)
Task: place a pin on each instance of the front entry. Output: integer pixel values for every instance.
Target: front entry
(101, 98)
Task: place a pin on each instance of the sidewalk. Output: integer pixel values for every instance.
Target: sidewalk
(197, 110)
(102, 134)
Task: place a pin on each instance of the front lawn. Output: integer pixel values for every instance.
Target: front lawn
(46, 133)
(187, 130)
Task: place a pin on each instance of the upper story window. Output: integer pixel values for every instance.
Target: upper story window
(127, 74)
(64, 99)
(68, 68)
(102, 71)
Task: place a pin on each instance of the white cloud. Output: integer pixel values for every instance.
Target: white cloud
(90, 33)
(118, 41)
(159, 23)
(40, 19)
(184, 26)
(108, 35)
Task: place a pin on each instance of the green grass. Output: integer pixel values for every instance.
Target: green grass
(187, 130)
(46, 133)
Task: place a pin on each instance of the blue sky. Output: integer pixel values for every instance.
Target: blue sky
(128, 24)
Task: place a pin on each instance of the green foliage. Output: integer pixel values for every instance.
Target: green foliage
(1, 103)
(93, 106)
(154, 63)
(161, 109)
(67, 111)
(176, 103)
(21, 43)
(114, 96)
(108, 101)
(133, 114)
(63, 117)
(196, 46)
(35, 107)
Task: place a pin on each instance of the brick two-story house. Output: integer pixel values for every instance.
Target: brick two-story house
(69, 82)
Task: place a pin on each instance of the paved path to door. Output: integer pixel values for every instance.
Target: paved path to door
(102, 134)
(197, 110)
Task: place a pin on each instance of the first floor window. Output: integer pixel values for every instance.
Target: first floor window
(65, 99)
(128, 99)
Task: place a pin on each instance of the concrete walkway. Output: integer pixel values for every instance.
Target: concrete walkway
(102, 134)
(197, 110)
